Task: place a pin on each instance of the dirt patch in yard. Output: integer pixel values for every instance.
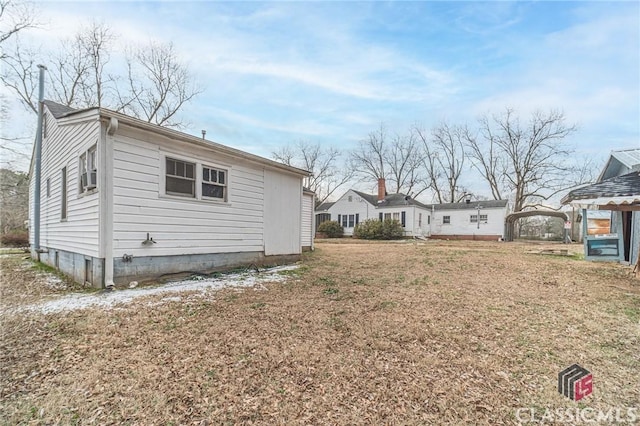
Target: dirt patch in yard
(379, 333)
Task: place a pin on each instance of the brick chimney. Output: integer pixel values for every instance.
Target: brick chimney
(382, 189)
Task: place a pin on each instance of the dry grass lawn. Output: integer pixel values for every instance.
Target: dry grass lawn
(363, 333)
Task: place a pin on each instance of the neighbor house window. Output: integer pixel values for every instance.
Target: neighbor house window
(344, 221)
(474, 218)
(428, 220)
(88, 168)
(387, 216)
(484, 218)
(350, 198)
(214, 183)
(352, 220)
(63, 194)
(396, 216)
(419, 220)
(180, 178)
(403, 219)
(48, 187)
(446, 219)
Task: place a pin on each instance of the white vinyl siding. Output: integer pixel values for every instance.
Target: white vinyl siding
(181, 225)
(307, 220)
(61, 148)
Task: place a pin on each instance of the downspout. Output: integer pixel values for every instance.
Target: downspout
(38, 163)
(107, 201)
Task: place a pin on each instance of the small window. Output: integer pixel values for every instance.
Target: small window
(88, 168)
(484, 218)
(429, 220)
(474, 218)
(446, 219)
(352, 219)
(63, 194)
(350, 198)
(214, 183)
(419, 220)
(48, 187)
(180, 178)
(403, 219)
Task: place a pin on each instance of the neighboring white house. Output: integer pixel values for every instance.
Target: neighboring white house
(122, 200)
(452, 221)
(473, 220)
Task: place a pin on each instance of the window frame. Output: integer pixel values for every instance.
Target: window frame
(198, 198)
(446, 220)
(484, 218)
(193, 180)
(473, 218)
(224, 186)
(88, 163)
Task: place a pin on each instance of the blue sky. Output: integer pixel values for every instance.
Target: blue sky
(331, 72)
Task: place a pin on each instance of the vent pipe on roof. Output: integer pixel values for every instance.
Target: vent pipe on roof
(38, 163)
(204, 133)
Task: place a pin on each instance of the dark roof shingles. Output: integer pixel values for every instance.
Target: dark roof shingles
(619, 186)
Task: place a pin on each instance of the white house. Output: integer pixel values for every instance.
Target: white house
(122, 199)
(477, 220)
(451, 221)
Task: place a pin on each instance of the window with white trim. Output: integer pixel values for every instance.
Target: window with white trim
(473, 218)
(446, 219)
(180, 178)
(396, 216)
(214, 183)
(484, 218)
(88, 168)
(63, 194)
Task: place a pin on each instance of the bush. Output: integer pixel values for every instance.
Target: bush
(15, 239)
(373, 229)
(331, 228)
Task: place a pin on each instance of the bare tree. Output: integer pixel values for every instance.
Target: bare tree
(485, 157)
(159, 85)
(14, 196)
(396, 159)
(20, 75)
(531, 160)
(14, 18)
(443, 159)
(323, 163)
(94, 44)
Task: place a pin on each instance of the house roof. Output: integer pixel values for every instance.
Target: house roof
(487, 204)
(60, 111)
(618, 161)
(324, 206)
(620, 187)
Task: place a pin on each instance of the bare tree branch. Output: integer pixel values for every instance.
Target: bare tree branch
(14, 18)
(324, 164)
(159, 84)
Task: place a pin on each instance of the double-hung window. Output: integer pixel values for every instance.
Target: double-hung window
(474, 218)
(446, 219)
(214, 183)
(88, 168)
(180, 178)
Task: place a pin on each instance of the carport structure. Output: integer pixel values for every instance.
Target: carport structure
(510, 220)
